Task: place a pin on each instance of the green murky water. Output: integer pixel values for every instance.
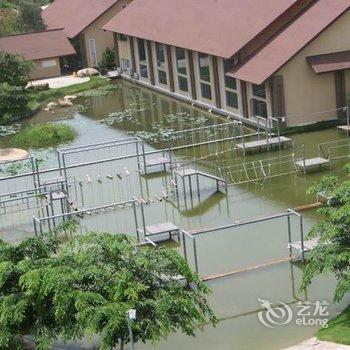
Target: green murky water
(136, 111)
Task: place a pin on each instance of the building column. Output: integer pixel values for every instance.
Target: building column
(116, 49)
(170, 69)
(150, 61)
(277, 96)
(244, 99)
(340, 93)
(82, 49)
(132, 53)
(192, 75)
(216, 82)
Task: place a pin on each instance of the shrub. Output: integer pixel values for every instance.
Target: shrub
(45, 135)
(108, 58)
(14, 70)
(13, 100)
(39, 87)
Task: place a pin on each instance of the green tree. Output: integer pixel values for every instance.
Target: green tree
(332, 253)
(85, 287)
(13, 101)
(14, 70)
(30, 16)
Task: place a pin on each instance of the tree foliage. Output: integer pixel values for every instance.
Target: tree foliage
(21, 16)
(332, 253)
(14, 70)
(13, 100)
(85, 287)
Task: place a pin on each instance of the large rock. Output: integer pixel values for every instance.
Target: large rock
(87, 72)
(70, 97)
(51, 105)
(65, 103)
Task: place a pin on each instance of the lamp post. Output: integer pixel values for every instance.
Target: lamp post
(130, 316)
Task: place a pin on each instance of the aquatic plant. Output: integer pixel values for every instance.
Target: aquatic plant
(101, 91)
(42, 136)
(6, 130)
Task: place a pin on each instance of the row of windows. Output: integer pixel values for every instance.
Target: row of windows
(259, 106)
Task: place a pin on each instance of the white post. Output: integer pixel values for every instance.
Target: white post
(130, 316)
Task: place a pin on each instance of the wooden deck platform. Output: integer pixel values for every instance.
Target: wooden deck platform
(308, 245)
(344, 128)
(311, 162)
(164, 230)
(183, 173)
(263, 143)
(157, 161)
(56, 195)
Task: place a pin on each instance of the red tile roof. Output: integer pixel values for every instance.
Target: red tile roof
(39, 45)
(217, 27)
(74, 15)
(330, 62)
(290, 41)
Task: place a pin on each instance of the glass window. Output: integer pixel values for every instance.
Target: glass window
(160, 52)
(143, 71)
(142, 49)
(204, 67)
(206, 91)
(162, 77)
(181, 61)
(259, 90)
(183, 85)
(230, 83)
(122, 37)
(231, 99)
(260, 108)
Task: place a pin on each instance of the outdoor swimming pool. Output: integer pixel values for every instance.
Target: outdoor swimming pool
(134, 111)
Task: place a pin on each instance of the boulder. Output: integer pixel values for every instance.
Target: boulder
(87, 72)
(70, 97)
(65, 103)
(51, 105)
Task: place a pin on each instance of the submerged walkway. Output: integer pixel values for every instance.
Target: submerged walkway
(315, 344)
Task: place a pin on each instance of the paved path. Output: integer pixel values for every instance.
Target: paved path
(60, 81)
(314, 344)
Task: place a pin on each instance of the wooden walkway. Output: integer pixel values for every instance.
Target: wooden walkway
(247, 269)
(344, 128)
(308, 245)
(305, 164)
(183, 173)
(156, 161)
(263, 143)
(167, 228)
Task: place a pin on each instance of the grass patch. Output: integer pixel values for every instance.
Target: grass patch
(42, 136)
(338, 330)
(40, 98)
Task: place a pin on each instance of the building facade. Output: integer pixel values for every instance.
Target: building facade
(46, 49)
(82, 22)
(273, 72)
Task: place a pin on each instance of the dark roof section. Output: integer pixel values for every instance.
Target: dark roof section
(290, 41)
(39, 45)
(74, 15)
(217, 27)
(330, 62)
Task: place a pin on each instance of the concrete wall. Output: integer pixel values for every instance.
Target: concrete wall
(307, 92)
(48, 68)
(102, 39)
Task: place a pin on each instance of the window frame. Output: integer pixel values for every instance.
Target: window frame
(143, 62)
(177, 74)
(200, 81)
(259, 99)
(236, 110)
(158, 69)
